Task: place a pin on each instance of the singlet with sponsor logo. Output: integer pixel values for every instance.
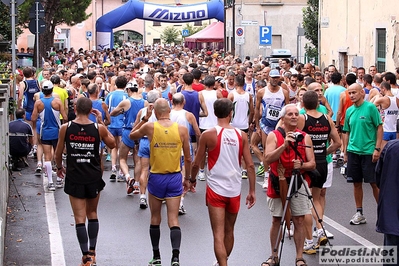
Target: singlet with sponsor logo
(165, 149)
(50, 120)
(272, 103)
(390, 116)
(83, 160)
(319, 131)
(224, 163)
(31, 87)
(240, 110)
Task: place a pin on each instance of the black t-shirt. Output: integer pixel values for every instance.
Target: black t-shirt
(83, 153)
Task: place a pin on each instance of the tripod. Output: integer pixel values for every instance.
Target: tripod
(296, 182)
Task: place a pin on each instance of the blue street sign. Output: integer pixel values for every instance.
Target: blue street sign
(89, 35)
(265, 35)
(185, 33)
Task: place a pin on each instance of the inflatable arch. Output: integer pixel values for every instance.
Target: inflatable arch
(134, 9)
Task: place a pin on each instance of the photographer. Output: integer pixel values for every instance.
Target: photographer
(281, 156)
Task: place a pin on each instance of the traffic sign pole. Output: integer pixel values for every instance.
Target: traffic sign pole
(13, 53)
(37, 36)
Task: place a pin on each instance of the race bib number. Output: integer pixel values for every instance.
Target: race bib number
(273, 112)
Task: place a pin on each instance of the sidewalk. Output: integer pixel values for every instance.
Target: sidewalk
(26, 238)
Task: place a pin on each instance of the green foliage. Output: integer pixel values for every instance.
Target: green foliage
(311, 53)
(70, 12)
(310, 21)
(193, 29)
(170, 35)
(5, 22)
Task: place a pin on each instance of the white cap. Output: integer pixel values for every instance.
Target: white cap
(47, 85)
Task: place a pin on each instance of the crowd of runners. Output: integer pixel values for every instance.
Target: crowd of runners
(137, 92)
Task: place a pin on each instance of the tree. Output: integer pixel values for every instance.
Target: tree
(310, 24)
(193, 29)
(170, 35)
(70, 12)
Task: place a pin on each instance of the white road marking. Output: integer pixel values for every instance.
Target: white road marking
(361, 240)
(56, 247)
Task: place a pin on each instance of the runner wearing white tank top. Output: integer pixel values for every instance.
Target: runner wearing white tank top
(389, 113)
(243, 108)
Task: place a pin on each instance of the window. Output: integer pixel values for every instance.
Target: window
(156, 41)
(381, 49)
(156, 23)
(198, 23)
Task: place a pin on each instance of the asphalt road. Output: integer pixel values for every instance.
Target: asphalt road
(44, 234)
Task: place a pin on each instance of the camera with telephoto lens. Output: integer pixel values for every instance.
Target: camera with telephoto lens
(297, 136)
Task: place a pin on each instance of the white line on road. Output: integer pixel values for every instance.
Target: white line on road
(56, 247)
(361, 240)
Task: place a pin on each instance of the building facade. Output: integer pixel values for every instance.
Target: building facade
(284, 16)
(359, 33)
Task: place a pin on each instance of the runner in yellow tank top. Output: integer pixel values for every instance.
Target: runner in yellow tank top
(165, 149)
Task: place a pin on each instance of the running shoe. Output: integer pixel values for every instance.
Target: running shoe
(113, 176)
(201, 175)
(51, 187)
(129, 186)
(38, 171)
(321, 240)
(265, 183)
(182, 211)
(261, 170)
(309, 249)
(108, 158)
(358, 218)
(121, 177)
(155, 262)
(59, 184)
(328, 233)
(175, 262)
(143, 203)
(136, 188)
(244, 174)
(92, 254)
(87, 261)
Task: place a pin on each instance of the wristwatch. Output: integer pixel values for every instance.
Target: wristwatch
(377, 149)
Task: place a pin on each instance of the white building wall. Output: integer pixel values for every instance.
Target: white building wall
(349, 27)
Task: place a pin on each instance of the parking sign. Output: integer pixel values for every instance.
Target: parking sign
(89, 35)
(265, 35)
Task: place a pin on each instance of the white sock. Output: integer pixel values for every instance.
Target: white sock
(261, 163)
(309, 241)
(136, 183)
(49, 171)
(143, 196)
